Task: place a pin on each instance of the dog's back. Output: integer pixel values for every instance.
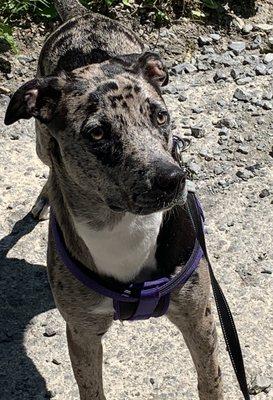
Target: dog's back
(83, 40)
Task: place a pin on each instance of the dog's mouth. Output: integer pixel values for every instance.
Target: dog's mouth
(148, 203)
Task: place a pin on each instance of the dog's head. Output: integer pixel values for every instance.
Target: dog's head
(110, 131)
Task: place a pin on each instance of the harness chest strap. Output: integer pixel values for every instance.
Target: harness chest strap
(135, 301)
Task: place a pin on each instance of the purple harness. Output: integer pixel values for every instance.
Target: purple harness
(132, 301)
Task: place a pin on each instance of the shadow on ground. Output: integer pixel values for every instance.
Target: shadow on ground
(24, 293)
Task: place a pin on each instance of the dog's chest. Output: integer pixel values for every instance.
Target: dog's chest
(125, 250)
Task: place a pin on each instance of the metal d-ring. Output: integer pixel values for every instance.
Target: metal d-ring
(179, 146)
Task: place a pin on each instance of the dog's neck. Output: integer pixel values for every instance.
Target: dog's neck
(120, 245)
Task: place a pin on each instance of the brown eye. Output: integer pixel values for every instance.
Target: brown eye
(97, 134)
(162, 118)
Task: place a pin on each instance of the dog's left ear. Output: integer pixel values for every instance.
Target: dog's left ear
(152, 68)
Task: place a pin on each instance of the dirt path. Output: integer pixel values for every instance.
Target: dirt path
(224, 103)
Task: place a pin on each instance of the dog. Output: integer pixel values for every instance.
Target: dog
(103, 129)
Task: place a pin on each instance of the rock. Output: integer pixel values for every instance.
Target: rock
(204, 40)
(257, 42)
(218, 170)
(264, 193)
(268, 96)
(5, 65)
(261, 69)
(215, 37)
(182, 98)
(4, 100)
(243, 149)
(266, 105)
(268, 58)
(202, 66)
(237, 73)
(184, 67)
(197, 110)
(237, 47)
(243, 81)
(194, 168)
(220, 75)
(240, 95)
(247, 28)
(198, 131)
(224, 131)
(227, 122)
(244, 175)
(4, 90)
(49, 332)
(259, 384)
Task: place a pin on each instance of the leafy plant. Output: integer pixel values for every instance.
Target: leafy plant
(6, 35)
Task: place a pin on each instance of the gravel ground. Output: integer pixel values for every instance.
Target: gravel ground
(221, 97)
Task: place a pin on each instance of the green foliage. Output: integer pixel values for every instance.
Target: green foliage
(6, 35)
(12, 10)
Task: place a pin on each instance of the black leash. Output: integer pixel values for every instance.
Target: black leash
(225, 316)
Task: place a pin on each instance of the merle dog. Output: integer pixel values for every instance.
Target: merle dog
(104, 131)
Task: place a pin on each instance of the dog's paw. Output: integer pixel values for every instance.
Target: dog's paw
(40, 210)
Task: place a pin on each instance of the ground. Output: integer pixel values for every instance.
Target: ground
(222, 99)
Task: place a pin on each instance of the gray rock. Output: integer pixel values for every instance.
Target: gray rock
(228, 123)
(198, 131)
(237, 47)
(4, 100)
(182, 98)
(241, 95)
(244, 81)
(184, 67)
(220, 75)
(237, 73)
(223, 131)
(215, 37)
(244, 175)
(260, 384)
(204, 40)
(257, 42)
(266, 105)
(194, 168)
(264, 193)
(268, 96)
(247, 28)
(261, 69)
(49, 332)
(202, 66)
(208, 50)
(197, 110)
(268, 58)
(243, 149)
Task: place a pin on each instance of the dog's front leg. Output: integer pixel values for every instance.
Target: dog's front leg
(190, 311)
(85, 350)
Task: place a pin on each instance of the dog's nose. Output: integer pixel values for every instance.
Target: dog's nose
(169, 179)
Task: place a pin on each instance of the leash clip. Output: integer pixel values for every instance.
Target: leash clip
(179, 146)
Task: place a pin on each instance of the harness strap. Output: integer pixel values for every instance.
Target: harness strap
(225, 316)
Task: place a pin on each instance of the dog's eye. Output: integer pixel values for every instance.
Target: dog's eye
(161, 118)
(95, 133)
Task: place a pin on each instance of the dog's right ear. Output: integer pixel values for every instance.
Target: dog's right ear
(37, 98)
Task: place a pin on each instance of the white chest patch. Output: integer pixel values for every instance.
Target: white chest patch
(123, 251)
